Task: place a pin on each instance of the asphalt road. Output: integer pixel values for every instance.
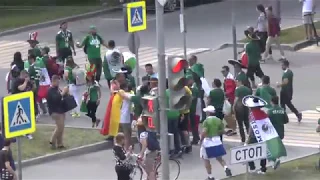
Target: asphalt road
(208, 25)
(100, 166)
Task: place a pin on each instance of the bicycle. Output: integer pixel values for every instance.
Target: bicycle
(139, 171)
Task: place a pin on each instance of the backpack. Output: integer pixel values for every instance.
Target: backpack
(79, 75)
(152, 142)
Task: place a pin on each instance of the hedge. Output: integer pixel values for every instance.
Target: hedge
(49, 2)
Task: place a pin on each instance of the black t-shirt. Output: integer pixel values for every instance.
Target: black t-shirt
(18, 82)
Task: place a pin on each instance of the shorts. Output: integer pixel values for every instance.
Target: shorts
(64, 53)
(126, 129)
(307, 18)
(216, 151)
(150, 161)
(184, 123)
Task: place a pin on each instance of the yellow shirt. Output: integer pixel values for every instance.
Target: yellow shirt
(188, 92)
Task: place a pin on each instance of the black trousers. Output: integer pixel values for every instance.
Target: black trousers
(285, 100)
(92, 109)
(194, 122)
(263, 162)
(98, 63)
(254, 70)
(64, 53)
(242, 116)
(219, 114)
(173, 129)
(263, 41)
(123, 173)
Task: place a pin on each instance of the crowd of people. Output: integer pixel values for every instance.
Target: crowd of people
(231, 103)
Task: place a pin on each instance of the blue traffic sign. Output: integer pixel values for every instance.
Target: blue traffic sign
(136, 16)
(19, 114)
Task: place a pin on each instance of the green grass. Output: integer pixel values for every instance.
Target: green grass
(40, 146)
(18, 16)
(292, 35)
(304, 168)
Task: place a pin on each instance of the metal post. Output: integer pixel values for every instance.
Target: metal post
(162, 90)
(234, 34)
(247, 172)
(183, 29)
(136, 52)
(19, 159)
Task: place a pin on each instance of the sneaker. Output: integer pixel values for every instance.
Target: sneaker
(75, 115)
(252, 171)
(228, 172)
(210, 178)
(98, 122)
(261, 172)
(270, 57)
(276, 164)
(231, 133)
(29, 136)
(299, 116)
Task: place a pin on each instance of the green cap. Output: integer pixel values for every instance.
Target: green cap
(93, 27)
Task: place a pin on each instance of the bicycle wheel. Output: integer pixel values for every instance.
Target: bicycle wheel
(136, 173)
(174, 167)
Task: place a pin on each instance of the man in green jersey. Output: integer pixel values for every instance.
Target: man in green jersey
(241, 76)
(64, 42)
(33, 44)
(211, 145)
(92, 43)
(286, 91)
(278, 118)
(266, 92)
(253, 52)
(241, 111)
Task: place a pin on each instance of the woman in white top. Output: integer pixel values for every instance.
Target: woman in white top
(262, 29)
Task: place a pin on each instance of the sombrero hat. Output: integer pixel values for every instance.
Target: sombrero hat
(253, 101)
(33, 37)
(209, 109)
(236, 62)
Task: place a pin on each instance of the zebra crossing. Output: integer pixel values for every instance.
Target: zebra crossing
(297, 134)
(146, 54)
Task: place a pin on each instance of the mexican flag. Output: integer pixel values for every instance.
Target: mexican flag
(265, 132)
(44, 79)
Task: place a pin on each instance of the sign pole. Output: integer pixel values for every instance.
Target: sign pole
(19, 158)
(183, 29)
(162, 90)
(234, 34)
(137, 58)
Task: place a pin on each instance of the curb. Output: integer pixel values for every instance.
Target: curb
(58, 21)
(91, 148)
(286, 47)
(282, 162)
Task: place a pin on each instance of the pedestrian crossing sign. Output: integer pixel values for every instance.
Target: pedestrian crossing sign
(136, 16)
(19, 114)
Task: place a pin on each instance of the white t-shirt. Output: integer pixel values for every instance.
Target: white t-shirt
(125, 116)
(307, 6)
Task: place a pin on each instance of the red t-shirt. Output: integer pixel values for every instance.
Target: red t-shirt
(273, 26)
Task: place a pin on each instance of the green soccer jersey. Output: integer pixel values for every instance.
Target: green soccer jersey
(287, 74)
(253, 52)
(63, 39)
(217, 98)
(93, 91)
(34, 73)
(171, 114)
(213, 126)
(266, 93)
(278, 118)
(93, 44)
(71, 79)
(35, 51)
(195, 96)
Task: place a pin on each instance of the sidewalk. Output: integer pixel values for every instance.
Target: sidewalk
(100, 166)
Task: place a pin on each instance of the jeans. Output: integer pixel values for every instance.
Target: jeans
(263, 162)
(57, 135)
(242, 116)
(173, 129)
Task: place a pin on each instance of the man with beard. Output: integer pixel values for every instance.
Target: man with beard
(92, 43)
(64, 42)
